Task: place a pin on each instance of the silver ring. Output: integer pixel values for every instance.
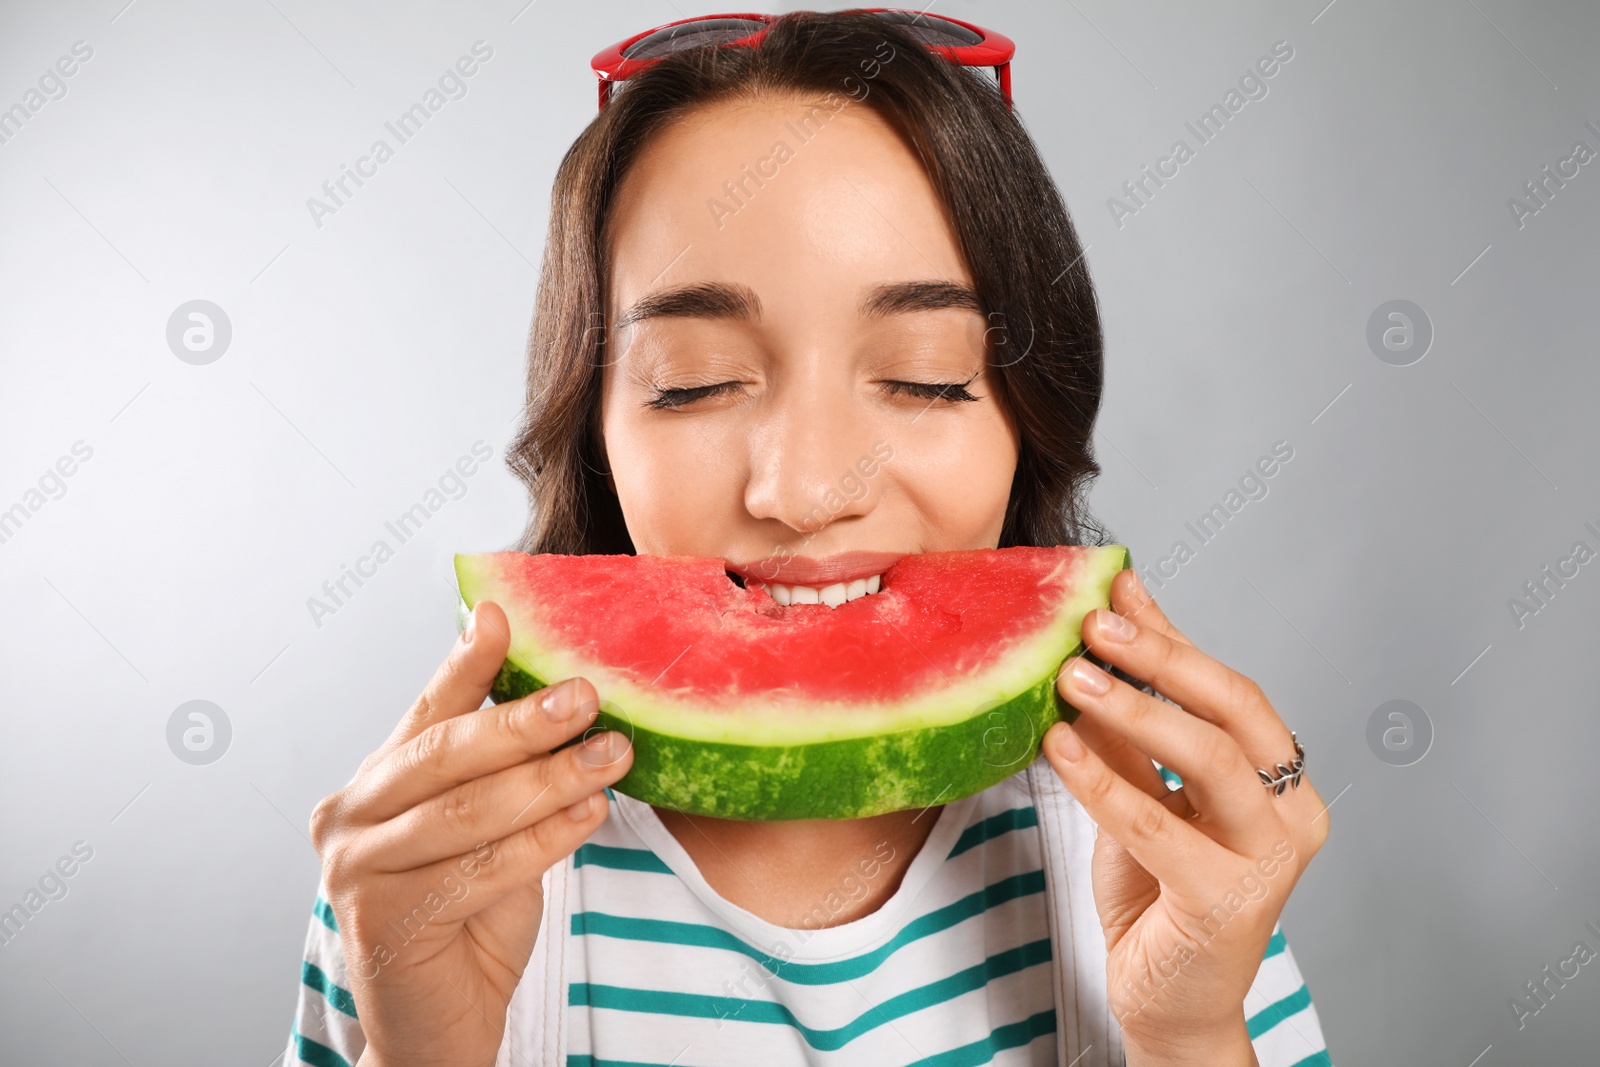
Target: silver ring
(1287, 773)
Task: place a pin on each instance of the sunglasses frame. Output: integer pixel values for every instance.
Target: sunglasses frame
(995, 50)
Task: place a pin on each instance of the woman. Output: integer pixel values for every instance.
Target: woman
(764, 264)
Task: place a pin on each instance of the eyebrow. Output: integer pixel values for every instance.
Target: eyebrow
(721, 300)
(898, 298)
(707, 300)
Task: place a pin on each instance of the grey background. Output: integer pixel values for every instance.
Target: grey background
(368, 354)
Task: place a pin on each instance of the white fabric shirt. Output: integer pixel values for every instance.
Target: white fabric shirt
(989, 952)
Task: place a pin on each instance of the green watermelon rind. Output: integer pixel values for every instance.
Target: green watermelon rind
(851, 777)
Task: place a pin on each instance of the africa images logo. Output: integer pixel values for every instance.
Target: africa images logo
(452, 85)
(1210, 124)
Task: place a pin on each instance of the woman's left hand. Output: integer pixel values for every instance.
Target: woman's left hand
(1189, 883)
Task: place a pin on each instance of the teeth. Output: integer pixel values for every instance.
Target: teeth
(831, 595)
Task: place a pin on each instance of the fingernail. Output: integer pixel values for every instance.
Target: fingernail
(1068, 747)
(471, 630)
(557, 702)
(600, 749)
(1089, 678)
(580, 811)
(1138, 584)
(589, 708)
(1114, 627)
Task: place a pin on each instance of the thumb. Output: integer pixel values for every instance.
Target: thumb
(463, 680)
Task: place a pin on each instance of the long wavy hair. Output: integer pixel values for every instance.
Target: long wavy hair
(1045, 341)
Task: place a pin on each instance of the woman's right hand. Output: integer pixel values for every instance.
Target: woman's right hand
(432, 856)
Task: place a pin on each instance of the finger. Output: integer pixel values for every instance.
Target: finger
(459, 749)
(1113, 747)
(1170, 848)
(463, 680)
(464, 885)
(1218, 779)
(1177, 802)
(524, 855)
(1182, 673)
(1132, 764)
(1130, 597)
(496, 805)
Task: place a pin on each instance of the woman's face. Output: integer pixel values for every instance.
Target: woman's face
(776, 270)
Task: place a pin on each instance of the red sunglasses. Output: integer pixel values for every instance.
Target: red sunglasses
(960, 42)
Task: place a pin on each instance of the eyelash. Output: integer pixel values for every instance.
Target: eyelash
(955, 392)
(952, 391)
(667, 399)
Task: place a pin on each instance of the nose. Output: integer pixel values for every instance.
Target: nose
(812, 458)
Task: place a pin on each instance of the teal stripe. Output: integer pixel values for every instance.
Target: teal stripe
(696, 1005)
(993, 826)
(336, 995)
(1316, 1059)
(1171, 779)
(575, 1060)
(316, 1055)
(619, 859)
(1012, 1035)
(666, 932)
(321, 910)
(1274, 1014)
(609, 794)
(1275, 946)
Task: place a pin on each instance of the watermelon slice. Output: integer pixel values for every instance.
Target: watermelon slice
(936, 686)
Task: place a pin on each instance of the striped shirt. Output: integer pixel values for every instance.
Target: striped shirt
(961, 965)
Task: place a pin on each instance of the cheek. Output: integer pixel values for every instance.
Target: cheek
(671, 479)
(957, 473)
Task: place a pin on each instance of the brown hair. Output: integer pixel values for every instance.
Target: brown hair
(1008, 217)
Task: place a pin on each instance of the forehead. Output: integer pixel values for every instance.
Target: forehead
(800, 199)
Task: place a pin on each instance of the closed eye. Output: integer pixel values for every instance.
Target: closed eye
(667, 399)
(952, 391)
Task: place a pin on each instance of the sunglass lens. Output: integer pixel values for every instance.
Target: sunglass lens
(703, 33)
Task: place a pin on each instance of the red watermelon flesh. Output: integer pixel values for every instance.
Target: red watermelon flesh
(933, 688)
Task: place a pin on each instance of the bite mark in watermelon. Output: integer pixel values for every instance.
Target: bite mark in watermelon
(935, 687)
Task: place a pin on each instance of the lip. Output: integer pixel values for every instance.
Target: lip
(806, 570)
